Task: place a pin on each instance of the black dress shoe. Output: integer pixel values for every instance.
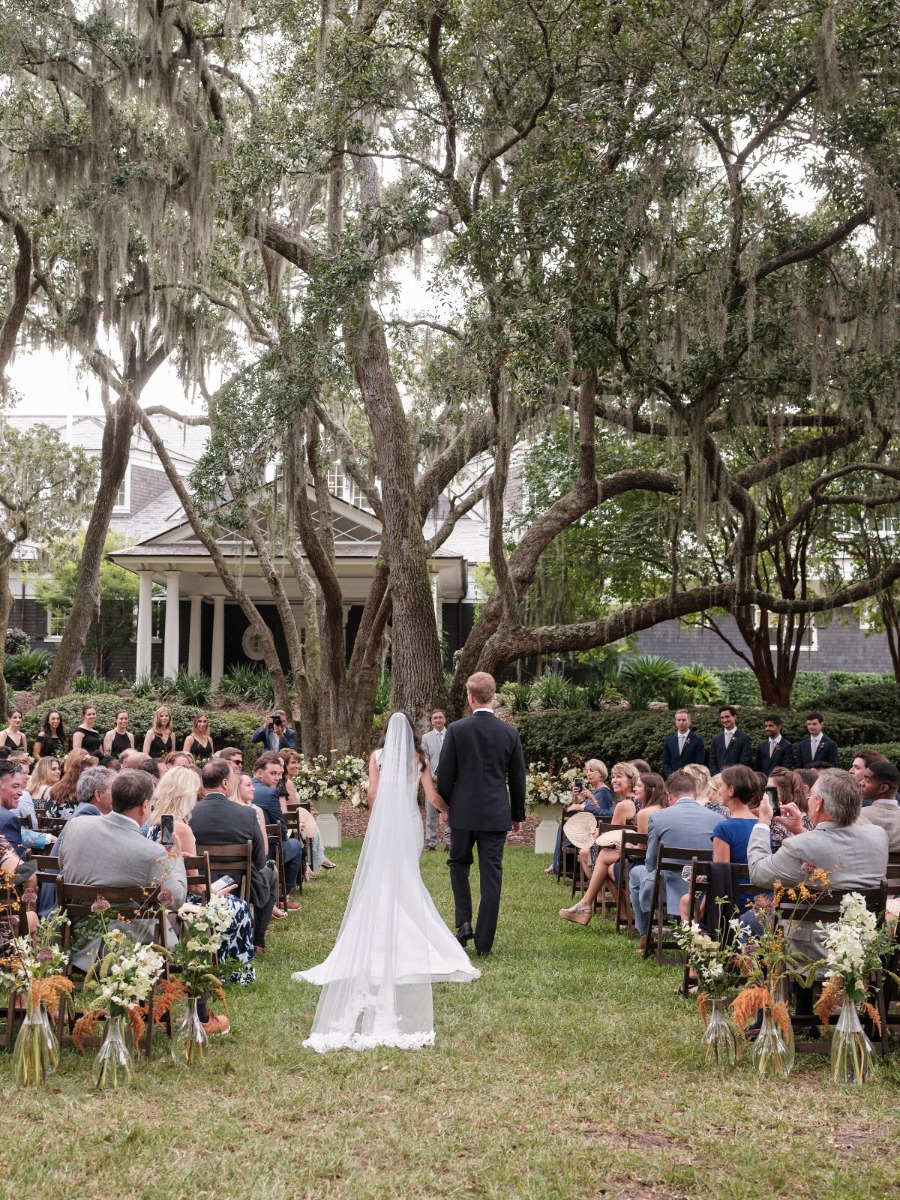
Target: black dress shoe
(464, 934)
(483, 953)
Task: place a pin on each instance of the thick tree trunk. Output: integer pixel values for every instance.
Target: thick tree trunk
(891, 619)
(365, 661)
(6, 603)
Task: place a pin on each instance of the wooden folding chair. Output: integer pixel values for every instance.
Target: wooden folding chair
(659, 930)
(199, 874)
(581, 879)
(54, 825)
(632, 850)
(235, 860)
(292, 820)
(276, 850)
(130, 903)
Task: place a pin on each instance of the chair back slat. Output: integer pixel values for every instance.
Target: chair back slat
(233, 859)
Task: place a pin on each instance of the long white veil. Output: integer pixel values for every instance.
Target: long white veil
(377, 980)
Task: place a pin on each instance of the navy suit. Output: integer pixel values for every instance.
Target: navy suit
(694, 752)
(783, 756)
(739, 753)
(826, 753)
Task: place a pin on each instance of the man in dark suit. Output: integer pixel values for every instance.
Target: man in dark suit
(218, 821)
(775, 750)
(731, 747)
(480, 757)
(682, 746)
(817, 750)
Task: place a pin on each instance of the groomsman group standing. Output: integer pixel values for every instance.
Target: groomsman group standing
(732, 747)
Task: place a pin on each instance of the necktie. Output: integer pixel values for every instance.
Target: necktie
(682, 738)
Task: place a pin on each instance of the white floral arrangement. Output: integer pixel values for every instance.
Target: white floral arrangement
(206, 924)
(543, 786)
(126, 974)
(318, 779)
(854, 945)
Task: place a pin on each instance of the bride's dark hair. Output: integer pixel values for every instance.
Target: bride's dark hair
(417, 741)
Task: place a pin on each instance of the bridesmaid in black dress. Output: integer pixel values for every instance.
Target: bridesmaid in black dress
(118, 740)
(160, 740)
(12, 736)
(198, 742)
(86, 736)
(51, 741)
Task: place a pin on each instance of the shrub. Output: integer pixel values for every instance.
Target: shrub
(226, 729)
(192, 689)
(649, 677)
(152, 687)
(741, 686)
(699, 685)
(24, 669)
(807, 686)
(16, 641)
(516, 697)
(838, 680)
(881, 700)
(253, 684)
(382, 696)
(88, 684)
(550, 691)
(890, 750)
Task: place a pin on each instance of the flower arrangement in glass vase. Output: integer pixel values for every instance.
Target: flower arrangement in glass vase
(318, 780)
(34, 967)
(202, 929)
(719, 979)
(854, 946)
(115, 988)
(543, 786)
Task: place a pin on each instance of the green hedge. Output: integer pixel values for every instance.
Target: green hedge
(881, 700)
(226, 728)
(615, 737)
(890, 750)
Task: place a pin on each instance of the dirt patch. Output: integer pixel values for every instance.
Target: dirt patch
(848, 1140)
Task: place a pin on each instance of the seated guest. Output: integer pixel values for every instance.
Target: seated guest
(624, 779)
(686, 824)
(215, 821)
(94, 800)
(47, 771)
(592, 796)
(267, 772)
(705, 795)
(178, 758)
(154, 767)
(790, 790)
(641, 766)
(862, 758)
(13, 777)
(880, 805)
(63, 796)
(651, 796)
(132, 759)
(774, 750)
(287, 790)
(177, 797)
(233, 756)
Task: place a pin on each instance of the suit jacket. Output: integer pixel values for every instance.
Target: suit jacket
(481, 755)
(110, 852)
(218, 821)
(47, 891)
(826, 753)
(287, 738)
(783, 756)
(740, 752)
(432, 744)
(685, 824)
(694, 752)
(852, 855)
(885, 813)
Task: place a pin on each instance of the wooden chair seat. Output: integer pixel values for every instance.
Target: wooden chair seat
(660, 940)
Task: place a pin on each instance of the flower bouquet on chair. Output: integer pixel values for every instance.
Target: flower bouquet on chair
(115, 988)
(34, 968)
(719, 978)
(194, 964)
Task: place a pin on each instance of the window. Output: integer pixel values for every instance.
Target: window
(56, 625)
(123, 496)
(344, 488)
(888, 525)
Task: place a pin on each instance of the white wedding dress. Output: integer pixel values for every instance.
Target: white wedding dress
(392, 944)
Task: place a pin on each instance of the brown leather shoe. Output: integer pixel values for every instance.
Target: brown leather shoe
(292, 906)
(581, 916)
(215, 1025)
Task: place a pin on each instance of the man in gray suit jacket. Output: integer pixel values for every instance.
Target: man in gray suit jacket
(432, 744)
(685, 824)
(110, 851)
(852, 854)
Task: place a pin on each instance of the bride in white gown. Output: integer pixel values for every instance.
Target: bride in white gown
(392, 944)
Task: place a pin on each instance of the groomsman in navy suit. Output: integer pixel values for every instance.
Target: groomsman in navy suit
(817, 750)
(775, 750)
(731, 747)
(682, 747)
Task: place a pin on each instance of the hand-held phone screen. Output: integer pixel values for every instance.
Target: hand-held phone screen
(167, 830)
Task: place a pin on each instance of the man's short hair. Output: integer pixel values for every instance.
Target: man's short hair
(729, 708)
(214, 774)
(682, 710)
(150, 766)
(815, 716)
(8, 767)
(841, 795)
(130, 755)
(442, 711)
(482, 687)
(774, 719)
(268, 758)
(681, 783)
(640, 765)
(130, 790)
(885, 772)
(229, 752)
(94, 779)
(868, 755)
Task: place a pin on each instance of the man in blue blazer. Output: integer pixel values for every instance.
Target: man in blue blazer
(685, 824)
(731, 747)
(774, 750)
(817, 750)
(682, 746)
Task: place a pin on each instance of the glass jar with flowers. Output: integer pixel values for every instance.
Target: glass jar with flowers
(36, 965)
(717, 967)
(193, 962)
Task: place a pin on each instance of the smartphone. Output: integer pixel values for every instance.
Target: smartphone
(167, 830)
(772, 796)
(223, 882)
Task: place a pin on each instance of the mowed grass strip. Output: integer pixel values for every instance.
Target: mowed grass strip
(568, 1070)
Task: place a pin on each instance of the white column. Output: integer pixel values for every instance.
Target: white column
(217, 667)
(170, 645)
(194, 640)
(143, 666)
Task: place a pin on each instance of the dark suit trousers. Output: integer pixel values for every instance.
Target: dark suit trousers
(490, 845)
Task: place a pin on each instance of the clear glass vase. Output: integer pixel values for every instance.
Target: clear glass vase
(718, 1041)
(113, 1066)
(852, 1060)
(190, 1042)
(773, 1050)
(36, 1052)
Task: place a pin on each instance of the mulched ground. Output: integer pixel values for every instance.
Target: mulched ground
(354, 821)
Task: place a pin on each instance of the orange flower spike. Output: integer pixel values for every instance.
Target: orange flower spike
(702, 1005)
(137, 1022)
(872, 1013)
(85, 1027)
(748, 1003)
(830, 998)
(782, 1017)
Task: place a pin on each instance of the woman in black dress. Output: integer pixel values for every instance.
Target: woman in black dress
(86, 736)
(118, 740)
(198, 742)
(12, 736)
(51, 741)
(160, 740)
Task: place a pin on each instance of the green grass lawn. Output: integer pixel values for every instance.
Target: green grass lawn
(568, 1070)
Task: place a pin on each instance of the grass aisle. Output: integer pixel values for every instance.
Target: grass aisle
(568, 1070)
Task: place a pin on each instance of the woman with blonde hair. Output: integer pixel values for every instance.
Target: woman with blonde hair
(46, 773)
(198, 742)
(63, 796)
(160, 739)
(707, 794)
(176, 795)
